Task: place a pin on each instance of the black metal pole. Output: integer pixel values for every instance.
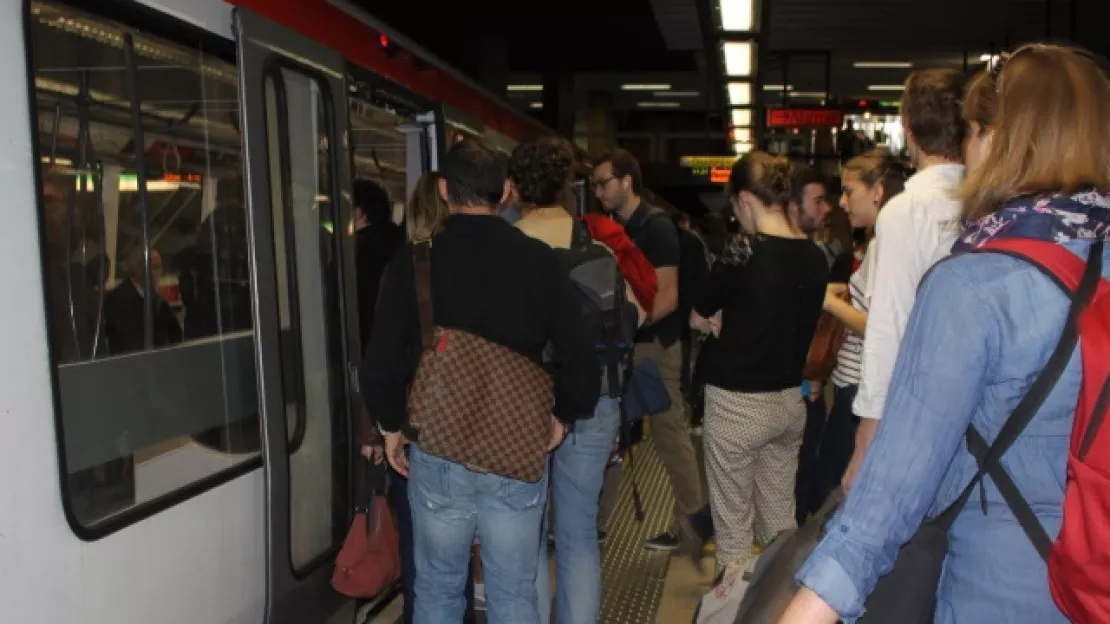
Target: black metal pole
(140, 175)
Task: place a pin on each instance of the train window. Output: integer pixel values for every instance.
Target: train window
(306, 220)
(148, 293)
(379, 141)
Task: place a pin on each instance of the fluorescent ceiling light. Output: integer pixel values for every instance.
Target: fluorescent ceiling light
(646, 87)
(60, 161)
(737, 15)
(680, 94)
(524, 87)
(535, 105)
(807, 94)
(740, 93)
(882, 65)
(886, 87)
(741, 148)
(738, 58)
(778, 87)
(741, 117)
(657, 104)
(742, 135)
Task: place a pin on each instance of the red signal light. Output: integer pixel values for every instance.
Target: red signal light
(383, 41)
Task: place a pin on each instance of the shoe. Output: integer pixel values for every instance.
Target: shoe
(664, 542)
(479, 596)
(601, 535)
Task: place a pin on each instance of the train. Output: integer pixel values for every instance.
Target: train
(206, 150)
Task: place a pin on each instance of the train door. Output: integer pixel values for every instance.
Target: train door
(297, 179)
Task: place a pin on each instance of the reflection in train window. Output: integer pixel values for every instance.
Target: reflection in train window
(148, 293)
(378, 139)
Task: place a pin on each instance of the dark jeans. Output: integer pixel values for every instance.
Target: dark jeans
(399, 498)
(816, 412)
(836, 448)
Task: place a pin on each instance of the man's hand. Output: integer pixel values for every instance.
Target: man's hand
(395, 452)
(373, 452)
(558, 432)
(864, 434)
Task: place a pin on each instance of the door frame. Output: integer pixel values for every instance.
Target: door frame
(294, 596)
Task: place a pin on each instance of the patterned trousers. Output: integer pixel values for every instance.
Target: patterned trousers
(751, 458)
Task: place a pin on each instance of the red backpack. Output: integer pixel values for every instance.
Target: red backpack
(1079, 560)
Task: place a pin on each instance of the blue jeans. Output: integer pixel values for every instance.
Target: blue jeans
(577, 472)
(449, 504)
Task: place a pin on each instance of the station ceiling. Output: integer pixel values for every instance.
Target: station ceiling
(809, 46)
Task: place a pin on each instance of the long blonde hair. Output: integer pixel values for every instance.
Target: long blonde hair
(1051, 130)
(427, 209)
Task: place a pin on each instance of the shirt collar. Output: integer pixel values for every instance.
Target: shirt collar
(946, 176)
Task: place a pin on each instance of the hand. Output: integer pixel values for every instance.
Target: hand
(395, 452)
(836, 289)
(815, 390)
(834, 295)
(558, 432)
(373, 452)
(715, 325)
(864, 434)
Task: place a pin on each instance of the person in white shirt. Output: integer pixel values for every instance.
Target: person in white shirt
(915, 230)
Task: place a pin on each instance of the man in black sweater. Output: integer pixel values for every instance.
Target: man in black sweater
(491, 280)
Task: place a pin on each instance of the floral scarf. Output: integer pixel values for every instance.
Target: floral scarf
(1056, 218)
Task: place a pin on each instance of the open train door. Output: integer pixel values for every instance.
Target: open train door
(294, 125)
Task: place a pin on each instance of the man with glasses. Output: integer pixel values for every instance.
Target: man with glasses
(618, 184)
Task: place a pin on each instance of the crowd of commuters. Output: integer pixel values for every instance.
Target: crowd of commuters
(930, 348)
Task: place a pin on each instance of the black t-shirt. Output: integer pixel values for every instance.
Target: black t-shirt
(657, 237)
(770, 308)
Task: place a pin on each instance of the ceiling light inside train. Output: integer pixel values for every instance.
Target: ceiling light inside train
(737, 15)
(518, 88)
(740, 93)
(741, 117)
(646, 87)
(738, 58)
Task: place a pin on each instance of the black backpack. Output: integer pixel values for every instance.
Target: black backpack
(604, 305)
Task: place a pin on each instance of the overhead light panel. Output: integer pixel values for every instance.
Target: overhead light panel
(535, 105)
(737, 15)
(741, 117)
(741, 147)
(738, 58)
(742, 135)
(882, 65)
(778, 87)
(740, 93)
(886, 87)
(646, 87)
(518, 88)
(657, 104)
(678, 94)
(807, 94)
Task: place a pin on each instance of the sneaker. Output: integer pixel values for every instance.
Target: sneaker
(666, 542)
(479, 596)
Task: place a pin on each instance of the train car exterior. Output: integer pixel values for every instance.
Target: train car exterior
(180, 332)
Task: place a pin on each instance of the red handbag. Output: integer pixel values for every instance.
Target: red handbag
(370, 561)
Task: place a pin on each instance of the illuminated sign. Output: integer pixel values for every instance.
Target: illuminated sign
(188, 178)
(807, 117)
(716, 168)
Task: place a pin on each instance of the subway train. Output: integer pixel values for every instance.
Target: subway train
(187, 456)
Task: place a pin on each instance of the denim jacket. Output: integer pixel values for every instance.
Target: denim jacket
(981, 331)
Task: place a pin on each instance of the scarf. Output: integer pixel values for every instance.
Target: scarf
(1057, 218)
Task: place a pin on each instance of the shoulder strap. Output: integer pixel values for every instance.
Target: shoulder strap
(580, 237)
(422, 271)
(1033, 252)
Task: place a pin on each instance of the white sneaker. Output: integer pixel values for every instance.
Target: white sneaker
(479, 597)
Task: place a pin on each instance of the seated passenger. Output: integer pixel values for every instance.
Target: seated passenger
(982, 329)
(125, 309)
(491, 281)
(762, 314)
(542, 172)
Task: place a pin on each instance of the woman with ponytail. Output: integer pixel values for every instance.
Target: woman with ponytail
(761, 312)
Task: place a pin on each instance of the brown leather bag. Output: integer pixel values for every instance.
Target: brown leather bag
(825, 348)
(475, 402)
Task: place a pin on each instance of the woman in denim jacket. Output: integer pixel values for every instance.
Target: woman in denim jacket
(981, 331)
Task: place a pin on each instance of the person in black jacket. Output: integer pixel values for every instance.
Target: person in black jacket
(491, 280)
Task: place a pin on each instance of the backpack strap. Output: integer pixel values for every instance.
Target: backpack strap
(1065, 269)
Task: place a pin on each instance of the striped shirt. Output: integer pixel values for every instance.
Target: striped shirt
(847, 371)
